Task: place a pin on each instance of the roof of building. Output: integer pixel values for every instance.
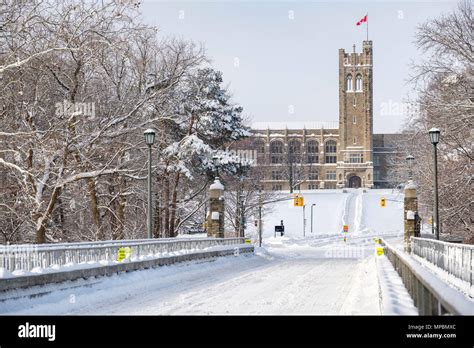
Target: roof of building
(294, 125)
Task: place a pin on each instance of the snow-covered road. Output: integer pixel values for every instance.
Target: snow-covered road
(316, 274)
(283, 278)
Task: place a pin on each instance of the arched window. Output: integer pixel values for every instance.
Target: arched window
(312, 146)
(276, 147)
(349, 83)
(294, 151)
(294, 146)
(276, 150)
(358, 82)
(312, 149)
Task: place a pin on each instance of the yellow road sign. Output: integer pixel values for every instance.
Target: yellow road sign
(124, 253)
(298, 201)
(248, 241)
(379, 251)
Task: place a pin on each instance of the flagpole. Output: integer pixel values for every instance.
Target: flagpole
(367, 26)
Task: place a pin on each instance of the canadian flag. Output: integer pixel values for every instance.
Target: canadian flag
(363, 20)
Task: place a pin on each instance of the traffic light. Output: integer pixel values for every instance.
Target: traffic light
(298, 201)
(383, 202)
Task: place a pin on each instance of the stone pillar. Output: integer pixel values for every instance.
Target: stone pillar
(215, 217)
(409, 214)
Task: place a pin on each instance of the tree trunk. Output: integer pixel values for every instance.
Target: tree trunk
(99, 233)
(158, 216)
(173, 206)
(166, 206)
(121, 217)
(42, 219)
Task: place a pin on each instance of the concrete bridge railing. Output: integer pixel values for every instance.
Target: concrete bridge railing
(456, 259)
(27, 257)
(430, 294)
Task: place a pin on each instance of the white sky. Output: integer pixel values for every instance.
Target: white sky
(288, 68)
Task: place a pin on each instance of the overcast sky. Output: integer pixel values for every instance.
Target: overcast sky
(280, 58)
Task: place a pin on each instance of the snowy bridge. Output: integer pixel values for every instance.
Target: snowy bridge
(300, 273)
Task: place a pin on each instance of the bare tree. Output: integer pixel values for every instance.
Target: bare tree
(444, 82)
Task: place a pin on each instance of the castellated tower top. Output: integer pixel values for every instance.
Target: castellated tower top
(353, 59)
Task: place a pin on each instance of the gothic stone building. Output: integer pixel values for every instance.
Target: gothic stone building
(324, 155)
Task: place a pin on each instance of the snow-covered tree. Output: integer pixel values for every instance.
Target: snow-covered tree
(444, 84)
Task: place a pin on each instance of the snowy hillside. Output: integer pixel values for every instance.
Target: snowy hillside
(356, 208)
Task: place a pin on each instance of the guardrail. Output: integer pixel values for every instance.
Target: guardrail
(429, 293)
(26, 257)
(456, 259)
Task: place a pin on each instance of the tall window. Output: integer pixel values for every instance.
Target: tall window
(259, 145)
(331, 147)
(312, 150)
(359, 83)
(349, 83)
(276, 150)
(294, 146)
(376, 160)
(377, 176)
(294, 149)
(313, 174)
(354, 119)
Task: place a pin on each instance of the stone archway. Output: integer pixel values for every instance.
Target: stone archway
(355, 181)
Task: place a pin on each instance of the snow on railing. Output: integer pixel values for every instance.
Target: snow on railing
(25, 257)
(456, 259)
(431, 295)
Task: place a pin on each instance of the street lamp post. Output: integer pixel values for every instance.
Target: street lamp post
(434, 137)
(149, 140)
(312, 205)
(304, 221)
(410, 159)
(242, 215)
(215, 160)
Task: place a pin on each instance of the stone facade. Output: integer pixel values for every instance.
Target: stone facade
(325, 155)
(215, 217)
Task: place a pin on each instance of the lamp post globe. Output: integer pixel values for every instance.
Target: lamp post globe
(410, 159)
(434, 135)
(215, 161)
(149, 136)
